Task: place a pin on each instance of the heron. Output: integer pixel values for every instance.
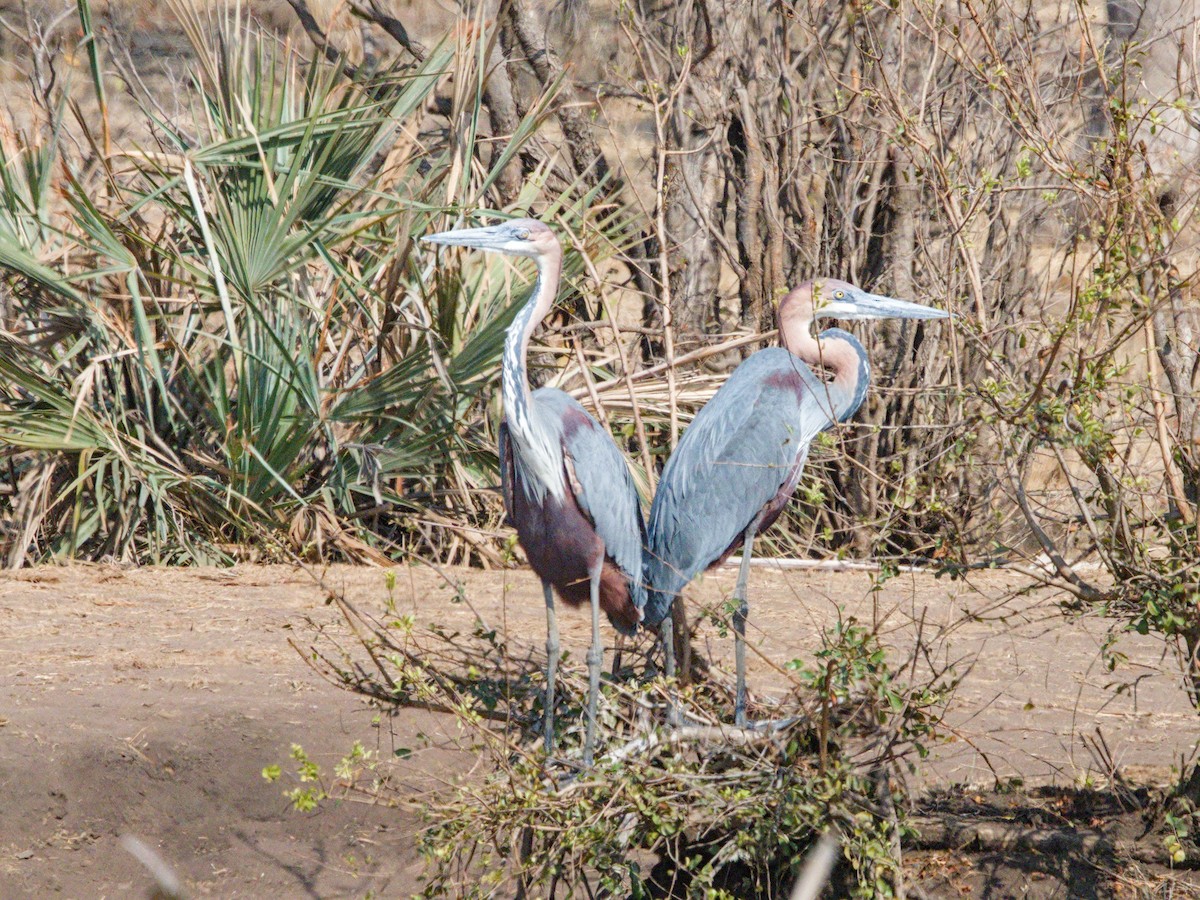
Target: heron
(740, 460)
(567, 488)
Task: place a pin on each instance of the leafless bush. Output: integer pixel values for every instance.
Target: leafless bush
(699, 809)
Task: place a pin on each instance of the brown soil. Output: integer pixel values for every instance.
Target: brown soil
(148, 701)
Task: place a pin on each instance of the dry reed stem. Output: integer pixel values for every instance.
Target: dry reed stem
(626, 375)
(1160, 418)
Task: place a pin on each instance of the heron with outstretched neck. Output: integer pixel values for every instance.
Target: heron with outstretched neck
(567, 488)
(740, 460)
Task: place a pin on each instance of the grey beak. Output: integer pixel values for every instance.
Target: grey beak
(481, 238)
(878, 306)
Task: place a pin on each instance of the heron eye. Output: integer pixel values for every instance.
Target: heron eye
(523, 234)
(838, 295)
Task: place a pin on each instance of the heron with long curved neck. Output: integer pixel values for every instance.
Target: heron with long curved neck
(741, 458)
(566, 486)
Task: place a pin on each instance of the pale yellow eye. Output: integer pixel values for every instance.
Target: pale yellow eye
(523, 234)
(838, 295)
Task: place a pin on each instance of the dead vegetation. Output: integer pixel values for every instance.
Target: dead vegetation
(218, 333)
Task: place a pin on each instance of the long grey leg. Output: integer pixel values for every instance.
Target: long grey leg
(666, 632)
(740, 612)
(595, 657)
(618, 654)
(551, 666)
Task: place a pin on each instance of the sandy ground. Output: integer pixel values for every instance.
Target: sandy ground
(148, 701)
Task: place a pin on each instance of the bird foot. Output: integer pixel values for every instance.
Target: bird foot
(676, 718)
(768, 726)
(560, 771)
(558, 781)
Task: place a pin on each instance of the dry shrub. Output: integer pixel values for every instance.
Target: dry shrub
(702, 809)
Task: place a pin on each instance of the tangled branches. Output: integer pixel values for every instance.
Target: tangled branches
(699, 809)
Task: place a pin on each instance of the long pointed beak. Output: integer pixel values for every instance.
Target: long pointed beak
(877, 306)
(486, 238)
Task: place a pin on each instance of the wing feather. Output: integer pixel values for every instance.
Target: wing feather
(604, 489)
(742, 448)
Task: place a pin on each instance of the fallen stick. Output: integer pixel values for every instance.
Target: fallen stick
(953, 832)
(167, 885)
(817, 867)
(702, 734)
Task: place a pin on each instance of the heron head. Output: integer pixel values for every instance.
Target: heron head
(520, 237)
(828, 298)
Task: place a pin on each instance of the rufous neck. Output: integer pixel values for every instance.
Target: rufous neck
(795, 334)
(834, 351)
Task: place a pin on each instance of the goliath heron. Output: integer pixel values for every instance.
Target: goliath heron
(567, 488)
(741, 458)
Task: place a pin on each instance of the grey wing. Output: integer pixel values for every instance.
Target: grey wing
(741, 450)
(607, 495)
